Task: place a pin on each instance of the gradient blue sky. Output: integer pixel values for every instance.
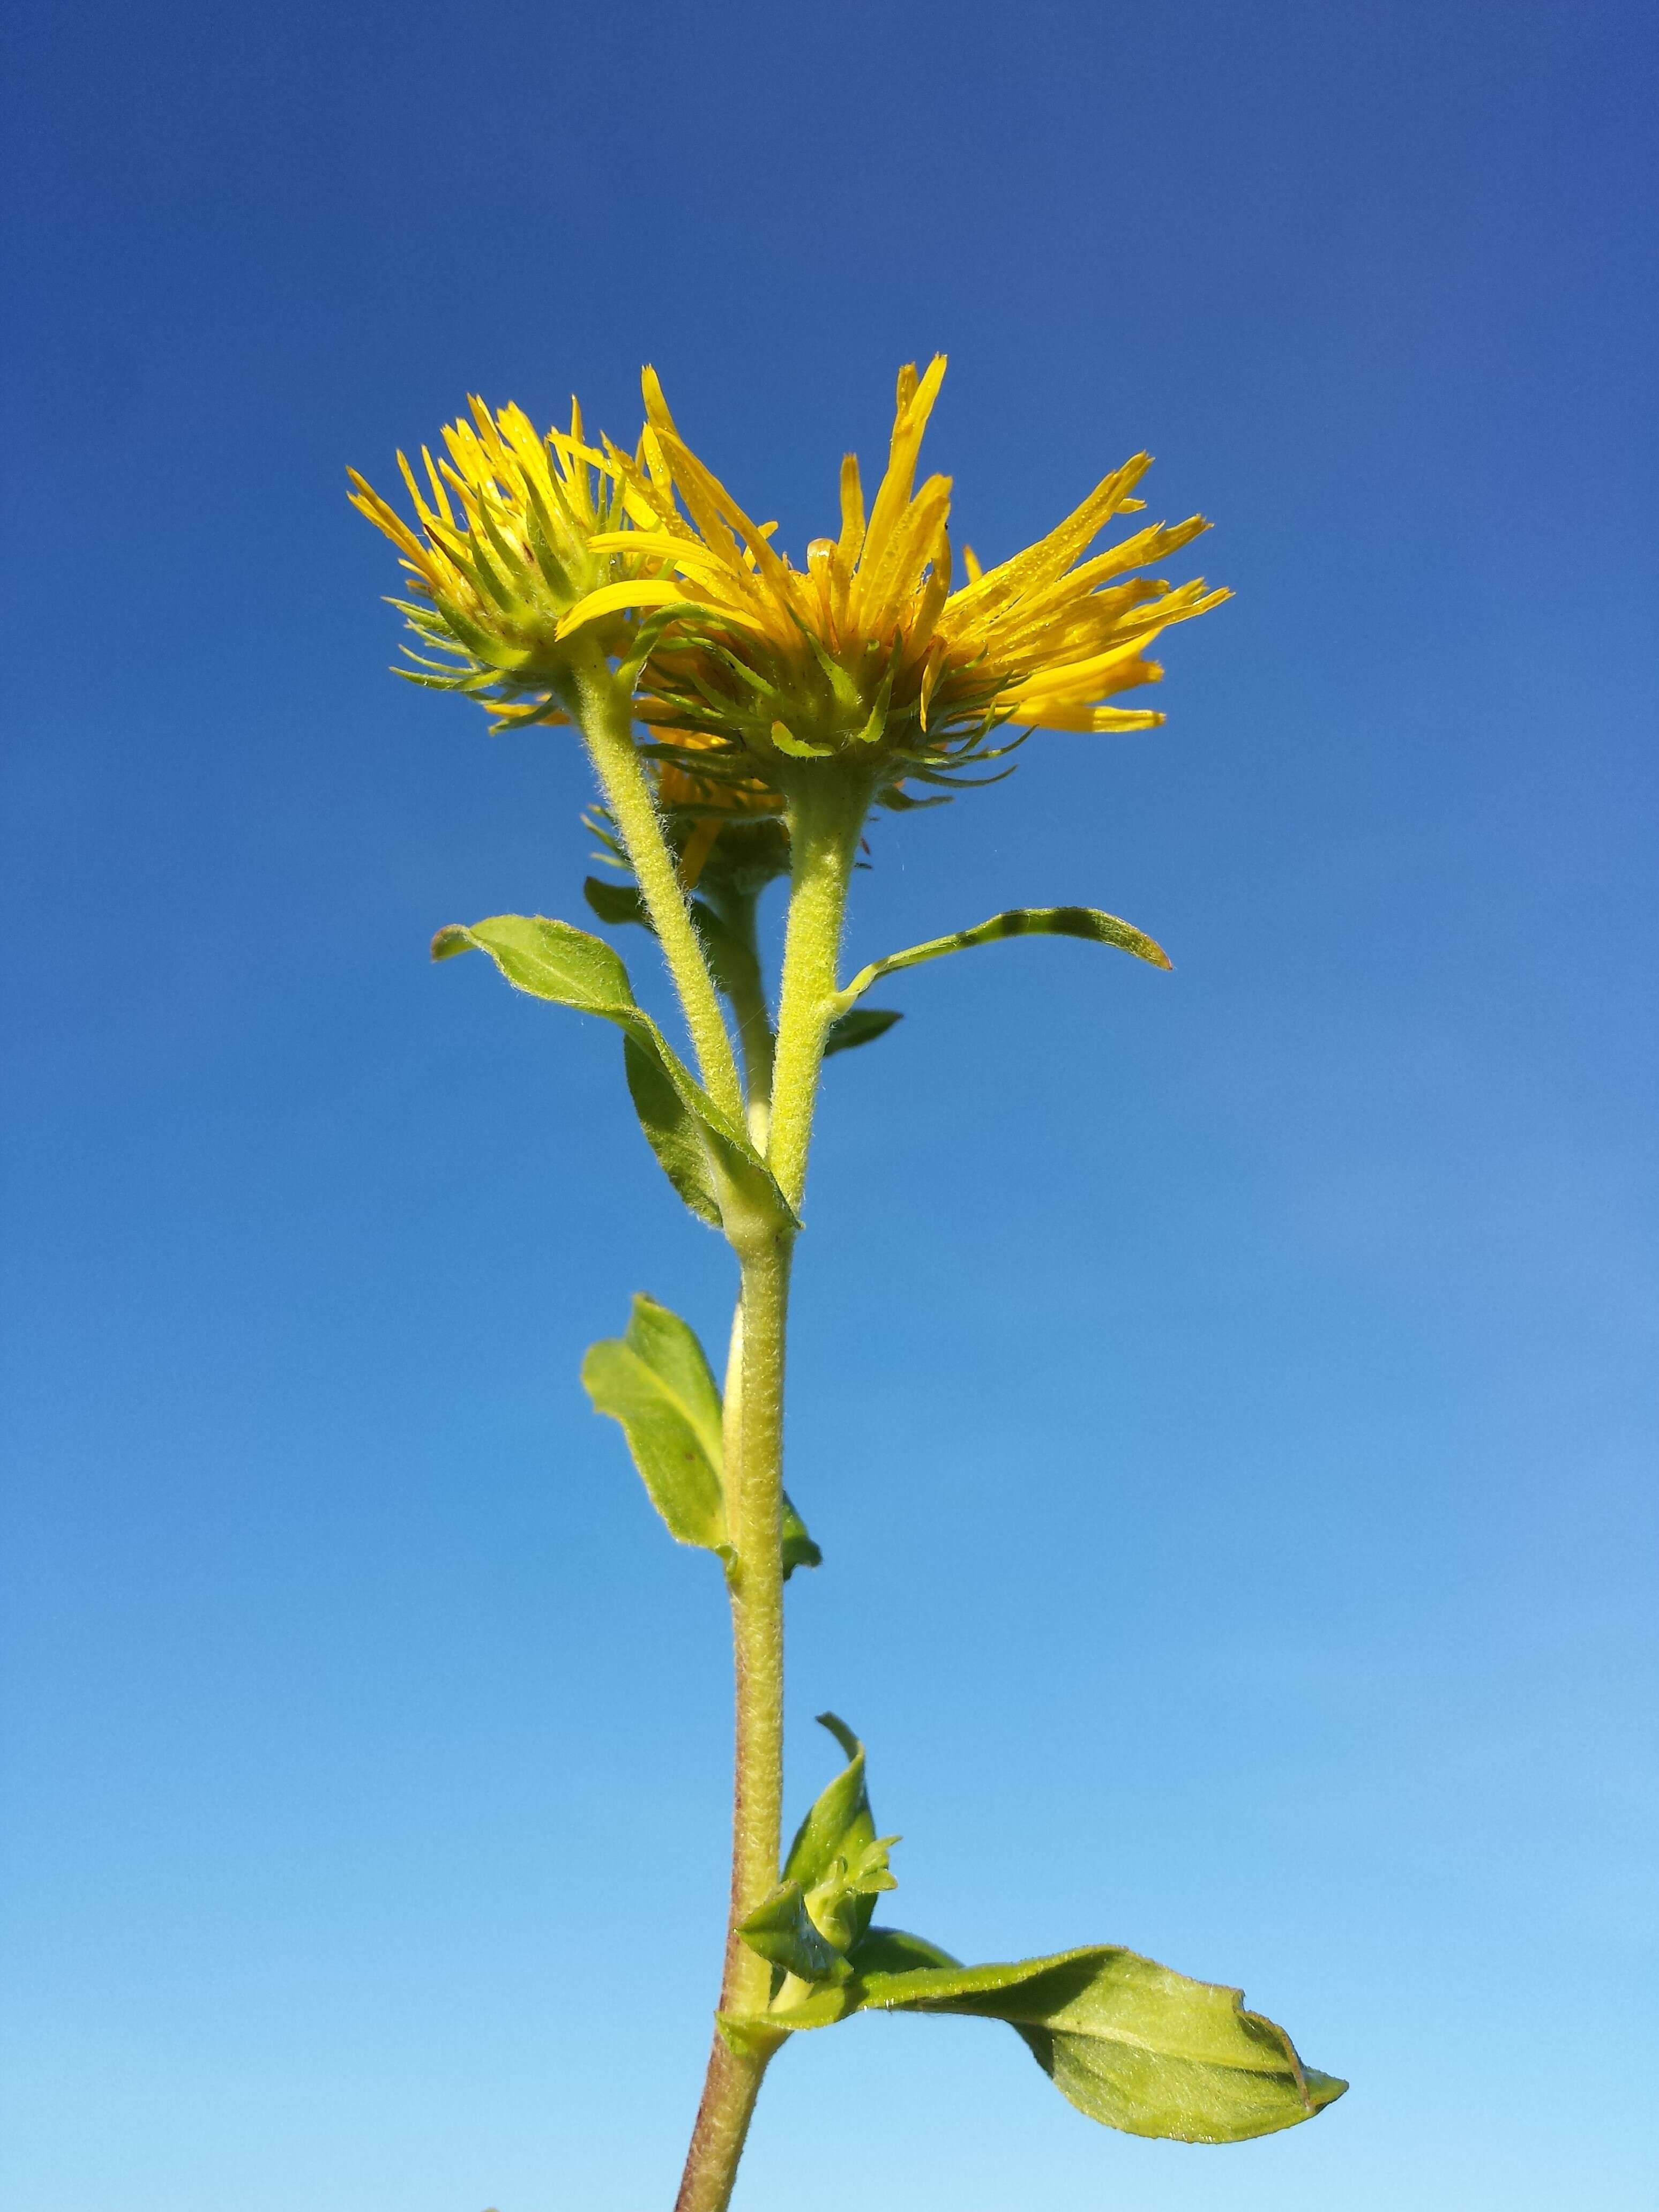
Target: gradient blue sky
(1226, 1400)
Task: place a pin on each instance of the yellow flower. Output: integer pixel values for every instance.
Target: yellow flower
(507, 565)
(870, 644)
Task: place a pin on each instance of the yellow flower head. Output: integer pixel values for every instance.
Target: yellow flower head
(505, 564)
(869, 645)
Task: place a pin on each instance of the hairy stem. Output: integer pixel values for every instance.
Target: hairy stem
(824, 825)
(754, 1516)
(754, 1459)
(826, 816)
(746, 989)
(729, 2090)
(604, 710)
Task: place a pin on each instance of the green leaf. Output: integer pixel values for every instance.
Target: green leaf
(861, 1025)
(782, 1931)
(1127, 2042)
(799, 1549)
(1083, 921)
(673, 1133)
(711, 1164)
(615, 902)
(657, 1383)
(836, 1856)
(841, 1820)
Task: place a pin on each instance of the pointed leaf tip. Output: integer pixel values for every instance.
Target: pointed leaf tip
(843, 1736)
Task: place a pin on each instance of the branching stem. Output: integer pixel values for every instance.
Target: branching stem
(825, 822)
(604, 710)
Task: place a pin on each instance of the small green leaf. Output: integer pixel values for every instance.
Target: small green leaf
(615, 902)
(782, 1931)
(656, 1382)
(833, 1849)
(1083, 921)
(861, 1025)
(1127, 2042)
(840, 1820)
(711, 1164)
(799, 1549)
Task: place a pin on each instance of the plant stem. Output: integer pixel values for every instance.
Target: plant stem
(754, 1459)
(754, 1516)
(604, 711)
(729, 2090)
(826, 816)
(745, 988)
(825, 821)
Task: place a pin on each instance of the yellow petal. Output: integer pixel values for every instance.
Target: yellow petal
(698, 846)
(610, 598)
(909, 422)
(688, 552)
(369, 501)
(887, 582)
(1096, 678)
(656, 407)
(1052, 556)
(706, 495)
(851, 541)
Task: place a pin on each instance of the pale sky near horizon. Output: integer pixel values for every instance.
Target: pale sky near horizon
(1226, 1400)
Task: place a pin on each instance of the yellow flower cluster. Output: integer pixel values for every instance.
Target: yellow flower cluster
(537, 549)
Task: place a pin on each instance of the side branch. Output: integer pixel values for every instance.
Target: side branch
(605, 715)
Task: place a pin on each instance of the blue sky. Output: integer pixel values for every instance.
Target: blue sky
(1226, 1400)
